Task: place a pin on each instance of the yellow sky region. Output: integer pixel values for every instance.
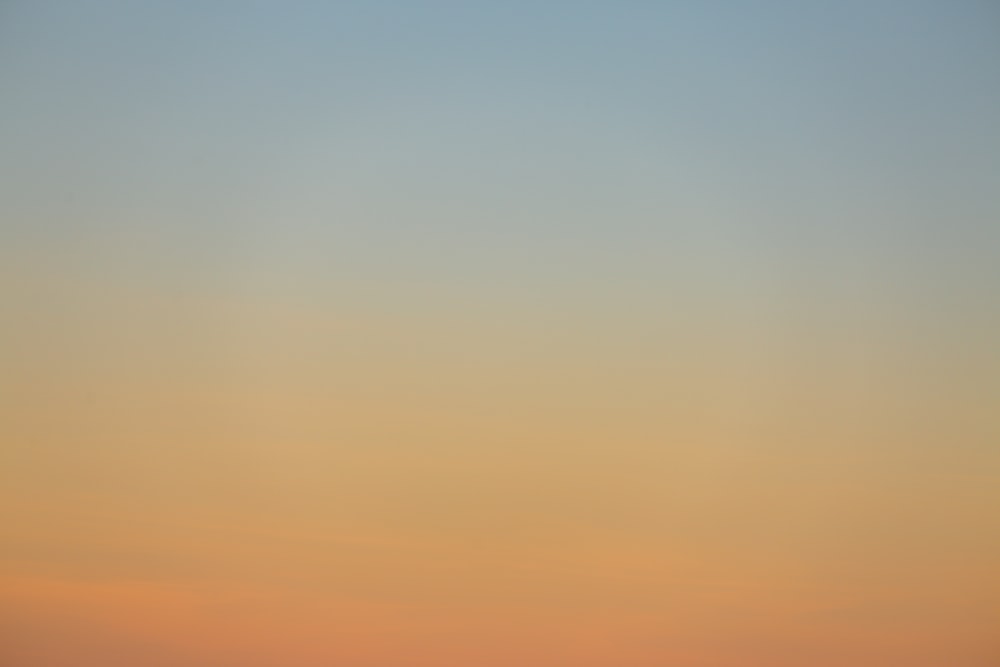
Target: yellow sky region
(269, 487)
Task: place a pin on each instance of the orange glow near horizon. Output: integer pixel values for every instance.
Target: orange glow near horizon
(425, 333)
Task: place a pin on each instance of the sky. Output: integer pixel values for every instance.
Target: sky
(412, 333)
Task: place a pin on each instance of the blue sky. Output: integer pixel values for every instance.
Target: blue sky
(485, 143)
(465, 332)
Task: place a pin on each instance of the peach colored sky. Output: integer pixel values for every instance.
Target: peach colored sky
(427, 491)
(436, 334)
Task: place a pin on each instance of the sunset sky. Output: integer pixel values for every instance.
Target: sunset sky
(441, 333)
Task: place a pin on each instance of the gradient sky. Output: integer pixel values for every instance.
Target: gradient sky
(437, 333)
